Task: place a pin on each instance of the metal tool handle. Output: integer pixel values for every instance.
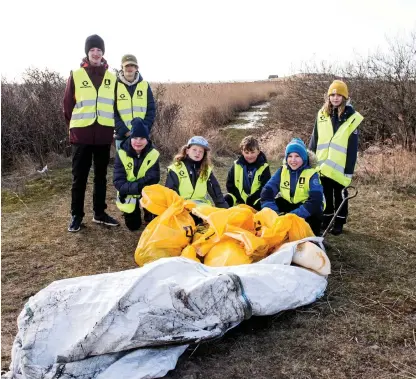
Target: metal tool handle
(344, 199)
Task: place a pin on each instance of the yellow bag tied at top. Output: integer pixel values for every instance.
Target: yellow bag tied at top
(168, 233)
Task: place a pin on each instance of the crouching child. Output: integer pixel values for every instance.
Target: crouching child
(296, 187)
(136, 166)
(248, 175)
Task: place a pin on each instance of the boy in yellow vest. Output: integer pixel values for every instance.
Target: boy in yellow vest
(295, 187)
(136, 166)
(89, 112)
(134, 99)
(248, 175)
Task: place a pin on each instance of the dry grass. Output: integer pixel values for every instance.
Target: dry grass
(364, 326)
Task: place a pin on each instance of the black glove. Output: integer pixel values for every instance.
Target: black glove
(252, 199)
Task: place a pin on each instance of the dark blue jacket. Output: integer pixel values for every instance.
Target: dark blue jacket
(352, 149)
(120, 176)
(120, 127)
(249, 172)
(312, 206)
(213, 187)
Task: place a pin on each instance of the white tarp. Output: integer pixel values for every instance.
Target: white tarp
(120, 325)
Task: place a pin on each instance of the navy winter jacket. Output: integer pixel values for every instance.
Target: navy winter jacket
(120, 127)
(120, 176)
(312, 206)
(213, 187)
(352, 149)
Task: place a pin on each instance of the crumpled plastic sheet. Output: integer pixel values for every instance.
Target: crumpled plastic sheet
(136, 323)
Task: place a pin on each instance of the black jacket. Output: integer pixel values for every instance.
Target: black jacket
(352, 149)
(249, 169)
(213, 187)
(120, 176)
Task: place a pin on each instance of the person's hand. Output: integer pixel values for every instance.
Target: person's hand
(251, 199)
(128, 133)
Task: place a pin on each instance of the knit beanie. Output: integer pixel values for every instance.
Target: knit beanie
(94, 41)
(338, 87)
(139, 129)
(297, 146)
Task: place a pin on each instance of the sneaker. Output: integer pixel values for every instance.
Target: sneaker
(336, 229)
(75, 224)
(105, 219)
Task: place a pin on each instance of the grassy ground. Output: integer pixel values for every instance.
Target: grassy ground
(364, 327)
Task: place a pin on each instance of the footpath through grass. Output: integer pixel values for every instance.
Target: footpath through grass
(364, 326)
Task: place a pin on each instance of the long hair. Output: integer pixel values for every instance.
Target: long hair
(328, 108)
(205, 162)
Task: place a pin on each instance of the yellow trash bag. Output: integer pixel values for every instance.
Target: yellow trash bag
(227, 252)
(272, 228)
(190, 253)
(168, 233)
(299, 229)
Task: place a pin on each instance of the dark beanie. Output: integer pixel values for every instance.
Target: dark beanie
(94, 41)
(139, 129)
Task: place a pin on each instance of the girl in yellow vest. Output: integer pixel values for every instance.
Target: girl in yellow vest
(335, 142)
(295, 187)
(191, 176)
(136, 166)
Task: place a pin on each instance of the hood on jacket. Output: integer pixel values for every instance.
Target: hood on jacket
(122, 79)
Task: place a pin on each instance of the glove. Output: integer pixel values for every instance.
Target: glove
(251, 199)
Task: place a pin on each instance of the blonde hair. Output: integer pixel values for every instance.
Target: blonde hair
(328, 108)
(205, 162)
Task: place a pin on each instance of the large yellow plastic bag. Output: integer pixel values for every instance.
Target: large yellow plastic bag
(309, 255)
(227, 252)
(299, 229)
(190, 253)
(271, 227)
(167, 234)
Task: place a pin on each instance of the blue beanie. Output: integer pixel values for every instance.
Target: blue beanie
(297, 146)
(139, 129)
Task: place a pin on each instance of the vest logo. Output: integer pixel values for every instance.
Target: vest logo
(85, 84)
(286, 184)
(129, 166)
(301, 181)
(322, 118)
(122, 96)
(107, 83)
(139, 93)
(182, 173)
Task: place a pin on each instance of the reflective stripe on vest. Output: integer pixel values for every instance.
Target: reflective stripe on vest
(186, 190)
(331, 149)
(128, 162)
(239, 180)
(128, 107)
(91, 106)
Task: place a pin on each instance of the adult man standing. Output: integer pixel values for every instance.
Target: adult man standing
(89, 113)
(134, 99)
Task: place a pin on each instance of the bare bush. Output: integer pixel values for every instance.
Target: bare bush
(32, 119)
(382, 87)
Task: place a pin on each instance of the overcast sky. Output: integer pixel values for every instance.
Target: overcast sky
(199, 40)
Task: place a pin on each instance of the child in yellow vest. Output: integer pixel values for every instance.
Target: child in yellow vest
(136, 166)
(335, 142)
(191, 176)
(295, 187)
(248, 175)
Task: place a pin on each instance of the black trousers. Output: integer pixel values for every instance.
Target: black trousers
(314, 221)
(83, 157)
(133, 220)
(333, 198)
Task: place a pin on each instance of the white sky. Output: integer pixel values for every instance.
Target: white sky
(198, 40)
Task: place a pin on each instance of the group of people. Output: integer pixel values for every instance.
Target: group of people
(98, 104)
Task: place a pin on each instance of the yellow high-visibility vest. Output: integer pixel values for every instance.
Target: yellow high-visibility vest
(90, 105)
(302, 186)
(331, 149)
(131, 107)
(186, 190)
(239, 181)
(128, 162)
